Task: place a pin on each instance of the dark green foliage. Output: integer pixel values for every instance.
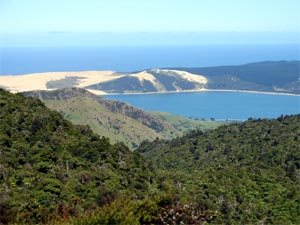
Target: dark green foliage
(49, 166)
(265, 73)
(248, 172)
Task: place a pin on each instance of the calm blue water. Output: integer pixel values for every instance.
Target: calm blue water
(127, 59)
(217, 105)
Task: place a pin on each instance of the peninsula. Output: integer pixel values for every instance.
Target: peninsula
(270, 77)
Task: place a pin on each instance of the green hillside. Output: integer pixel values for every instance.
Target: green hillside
(248, 173)
(116, 126)
(119, 121)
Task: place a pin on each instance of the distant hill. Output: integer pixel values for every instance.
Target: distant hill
(274, 76)
(153, 80)
(119, 121)
(249, 173)
(269, 76)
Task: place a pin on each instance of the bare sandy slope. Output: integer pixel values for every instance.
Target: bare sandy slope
(37, 81)
(185, 75)
(144, 75)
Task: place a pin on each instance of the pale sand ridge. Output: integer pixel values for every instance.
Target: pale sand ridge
(38, 81)
(186, 75)
(144, 75)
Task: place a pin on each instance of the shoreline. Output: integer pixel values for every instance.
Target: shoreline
(201, 90)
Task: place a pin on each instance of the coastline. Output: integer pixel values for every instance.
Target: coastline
(199, 90)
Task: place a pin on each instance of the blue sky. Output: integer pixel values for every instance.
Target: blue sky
(58, 20)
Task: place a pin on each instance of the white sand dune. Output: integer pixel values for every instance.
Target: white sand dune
(38, 81)
(185, 75)
(144, 75)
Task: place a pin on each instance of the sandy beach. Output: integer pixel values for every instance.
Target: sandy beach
(201, 90)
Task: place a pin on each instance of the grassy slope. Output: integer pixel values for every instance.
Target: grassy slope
(121, 128)
(118, 121)
(116, 126)
(185, 124)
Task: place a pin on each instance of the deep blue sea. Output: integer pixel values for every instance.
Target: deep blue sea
(216, 105)
(15, 61)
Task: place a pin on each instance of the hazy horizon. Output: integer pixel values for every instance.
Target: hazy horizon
(65, 39)
(133, 22)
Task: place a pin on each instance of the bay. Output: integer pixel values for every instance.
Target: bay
(217, 105)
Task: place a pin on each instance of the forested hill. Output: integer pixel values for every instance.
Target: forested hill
(50, 168)
(248, 172)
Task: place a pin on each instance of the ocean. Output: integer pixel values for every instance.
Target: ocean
(14, 61)
(215, 105)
